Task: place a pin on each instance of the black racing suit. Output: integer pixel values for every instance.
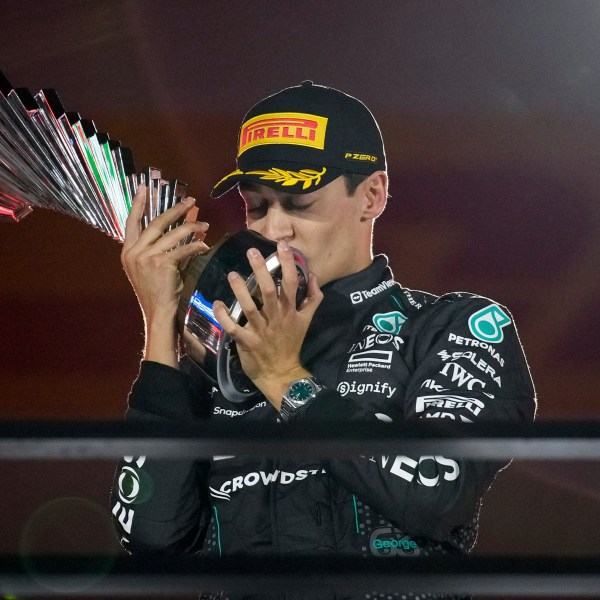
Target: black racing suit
(383, 352)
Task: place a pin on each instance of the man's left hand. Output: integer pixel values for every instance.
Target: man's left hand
(269, 343)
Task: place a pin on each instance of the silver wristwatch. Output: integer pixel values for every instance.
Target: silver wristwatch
(297, 396)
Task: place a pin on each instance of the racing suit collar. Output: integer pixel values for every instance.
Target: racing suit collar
(357, 287)
(333, 322)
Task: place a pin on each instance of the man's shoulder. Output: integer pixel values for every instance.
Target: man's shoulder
(461, 318)
(424, 304)
(424, 309)
(413, 300)
(466, 302)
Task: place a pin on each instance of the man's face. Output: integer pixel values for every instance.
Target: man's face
(325, 225)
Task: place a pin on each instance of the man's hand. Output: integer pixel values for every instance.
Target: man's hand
(151, 261)
(269, 343)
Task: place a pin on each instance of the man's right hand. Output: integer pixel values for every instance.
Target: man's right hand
(151, 260)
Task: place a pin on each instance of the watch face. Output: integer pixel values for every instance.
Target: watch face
(301, 391)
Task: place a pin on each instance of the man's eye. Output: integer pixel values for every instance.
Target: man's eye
(253, 210)
(298, 207)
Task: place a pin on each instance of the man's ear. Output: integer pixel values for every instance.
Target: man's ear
(375, 191)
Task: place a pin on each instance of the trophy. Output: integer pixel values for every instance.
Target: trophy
(204, 281)
(54, 159)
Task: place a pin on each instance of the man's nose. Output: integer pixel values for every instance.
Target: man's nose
(277, 225)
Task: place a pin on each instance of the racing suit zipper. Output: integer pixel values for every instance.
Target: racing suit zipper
(273, 510)
(355, 514)
(316, 513)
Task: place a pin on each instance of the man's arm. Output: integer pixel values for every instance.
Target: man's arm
(455, 378)
(161, 506)
(151, 260)
(269, 343)
(424, 495)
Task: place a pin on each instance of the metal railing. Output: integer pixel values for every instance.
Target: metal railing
(498, 440)
(493, 576)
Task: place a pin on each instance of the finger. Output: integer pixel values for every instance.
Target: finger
(192, 215)
(240, 291)
(222, 316)
(133, 223)
(171, 239)
(313, 298)
(289, 274)
(265, 282)
(186, 250)
(158, 225)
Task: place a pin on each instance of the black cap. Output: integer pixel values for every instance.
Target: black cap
(304, 137)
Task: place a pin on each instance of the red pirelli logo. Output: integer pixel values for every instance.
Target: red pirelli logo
(283, 128)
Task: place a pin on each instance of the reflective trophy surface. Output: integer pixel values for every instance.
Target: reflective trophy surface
(205, 280)
(54, 159)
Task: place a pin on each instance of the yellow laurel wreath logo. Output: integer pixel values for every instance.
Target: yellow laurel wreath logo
(307, 177)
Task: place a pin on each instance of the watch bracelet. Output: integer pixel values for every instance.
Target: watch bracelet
(288, 416)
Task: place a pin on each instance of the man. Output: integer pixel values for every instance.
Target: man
(311, 170)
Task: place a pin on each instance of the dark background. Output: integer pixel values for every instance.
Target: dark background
(491, 116)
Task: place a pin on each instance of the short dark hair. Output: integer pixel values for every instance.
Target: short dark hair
(353, 180)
